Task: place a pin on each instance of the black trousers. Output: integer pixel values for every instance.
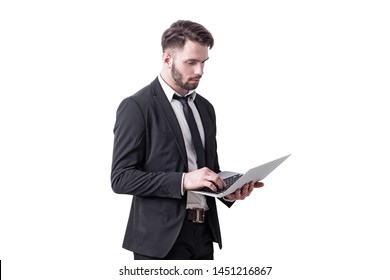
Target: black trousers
(194, 242)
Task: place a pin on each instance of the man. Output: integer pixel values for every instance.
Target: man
(159, 157)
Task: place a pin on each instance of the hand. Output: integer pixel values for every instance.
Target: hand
(201, 178)
(245, 191)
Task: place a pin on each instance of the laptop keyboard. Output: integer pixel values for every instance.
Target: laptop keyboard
(229, 182)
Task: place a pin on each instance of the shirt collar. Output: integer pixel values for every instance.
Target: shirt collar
(169, 92)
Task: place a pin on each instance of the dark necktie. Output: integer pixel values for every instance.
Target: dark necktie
(200, 155)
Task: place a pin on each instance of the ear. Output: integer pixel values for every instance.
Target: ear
(167, 60)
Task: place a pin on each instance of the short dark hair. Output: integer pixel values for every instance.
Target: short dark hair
(180, 31)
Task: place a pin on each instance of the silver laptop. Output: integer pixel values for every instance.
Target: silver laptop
(236, 180)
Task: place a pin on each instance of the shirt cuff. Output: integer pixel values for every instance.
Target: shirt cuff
(228, 200)
(182, 184)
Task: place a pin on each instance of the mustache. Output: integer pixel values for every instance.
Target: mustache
(195, 78)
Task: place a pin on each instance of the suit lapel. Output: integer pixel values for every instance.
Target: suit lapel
(170, 118)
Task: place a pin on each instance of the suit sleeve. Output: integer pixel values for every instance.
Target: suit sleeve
(127, 174)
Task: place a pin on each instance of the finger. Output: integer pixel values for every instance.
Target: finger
(245, 190)
(223, 183)
(220, 181)
(250, 190)
(251, 187)
(217, 180)
(258, 184)
(237, 194)
(210, 185)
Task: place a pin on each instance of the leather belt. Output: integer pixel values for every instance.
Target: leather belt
(196, 215)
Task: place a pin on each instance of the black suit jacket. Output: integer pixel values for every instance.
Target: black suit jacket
(149, 159)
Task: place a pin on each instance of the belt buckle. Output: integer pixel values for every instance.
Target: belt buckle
(200, 215)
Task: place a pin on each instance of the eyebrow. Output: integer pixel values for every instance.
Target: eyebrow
(192, 59)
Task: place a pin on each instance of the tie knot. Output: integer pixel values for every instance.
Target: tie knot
(182, 99)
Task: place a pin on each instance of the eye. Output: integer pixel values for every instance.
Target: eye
(191, 62)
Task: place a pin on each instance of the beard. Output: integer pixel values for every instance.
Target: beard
(179, 80)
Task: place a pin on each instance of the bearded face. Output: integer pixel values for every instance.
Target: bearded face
(185, 83)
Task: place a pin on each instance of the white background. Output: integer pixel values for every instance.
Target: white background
(308, 78)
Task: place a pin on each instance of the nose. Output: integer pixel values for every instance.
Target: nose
(199, 69)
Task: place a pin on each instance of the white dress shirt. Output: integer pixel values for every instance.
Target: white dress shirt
(194, 200)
